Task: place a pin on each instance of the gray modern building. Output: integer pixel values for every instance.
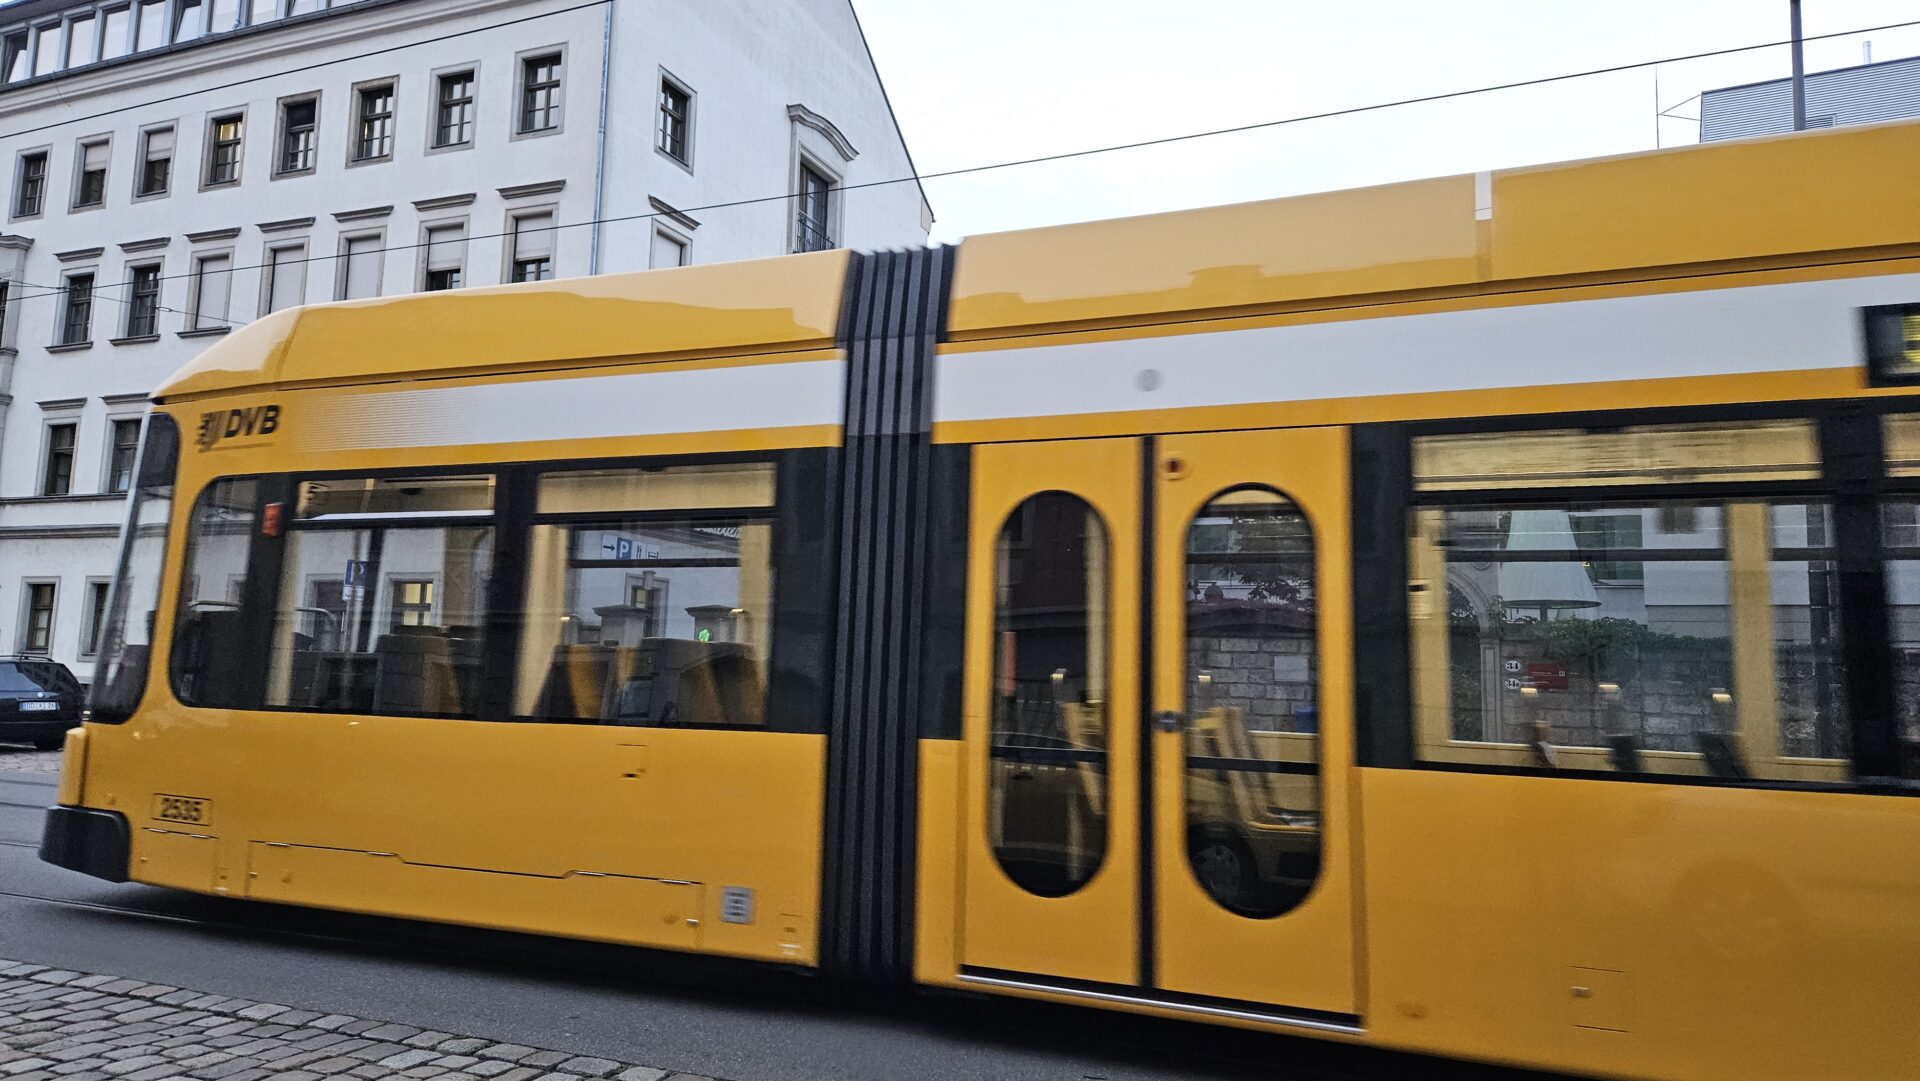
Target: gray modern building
(1888, 90)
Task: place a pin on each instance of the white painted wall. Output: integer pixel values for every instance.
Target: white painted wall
(746, 63)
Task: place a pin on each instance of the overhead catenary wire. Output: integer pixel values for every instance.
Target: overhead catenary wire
(94, 292)
(1067, 155)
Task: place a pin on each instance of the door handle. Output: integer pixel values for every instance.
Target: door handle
(1168, 720)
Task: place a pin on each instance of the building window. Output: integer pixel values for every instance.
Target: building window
(31, 193)
(286, 277)
(223, 155)
(453, 117)
(359, 267)
(540, 93)
(76, 322)
(90, 186)
(96, 617)
(297, 122)
(143, 302)
(262, 11)
(212, 286)
(13, 57)
(120, 455)
(46, 49)
(57, 477)
(374, 138)
(305, 7)
(80, 43)
(114, 24)
(36, 631)
(812, 226)
(676, 121)
(188, 20)
(150, 31)
(156, 162)
(226, 16)
(4, 287)
(668, 250)
(412, 603)
(446, 257)
(532, 248)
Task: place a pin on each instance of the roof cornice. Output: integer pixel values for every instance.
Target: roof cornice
(292, 39)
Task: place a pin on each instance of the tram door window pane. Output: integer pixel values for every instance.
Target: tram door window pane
(120, 675)
(1253, 744)
(1047, 774)
(650, 597)
(1701, 639)
(1900, 531)
(383, 596)
(208, 629)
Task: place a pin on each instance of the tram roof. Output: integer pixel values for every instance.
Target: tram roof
(758, 306)
(1754, 201)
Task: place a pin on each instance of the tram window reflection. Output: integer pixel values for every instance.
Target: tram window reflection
(383, 620)
(1047, 768)
(660, 614)
(1253, 744)
(1900, 532)
(1675, 637)
(207, 630)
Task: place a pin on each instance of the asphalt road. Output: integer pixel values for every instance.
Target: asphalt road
(722, 1022)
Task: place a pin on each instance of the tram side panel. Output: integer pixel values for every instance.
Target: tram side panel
(1624, 823)
(579, 695)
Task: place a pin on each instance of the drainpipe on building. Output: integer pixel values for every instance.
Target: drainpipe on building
(600, 151)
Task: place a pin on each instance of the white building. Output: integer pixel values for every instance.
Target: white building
(174, 168)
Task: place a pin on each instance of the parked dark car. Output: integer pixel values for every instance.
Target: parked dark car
(39, 701)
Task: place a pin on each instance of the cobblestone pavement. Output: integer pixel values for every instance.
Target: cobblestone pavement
(25, 760)
(57, 1025)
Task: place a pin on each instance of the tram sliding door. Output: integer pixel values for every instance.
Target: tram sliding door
(1247, 894)
(1052, 712)
(1252, 692)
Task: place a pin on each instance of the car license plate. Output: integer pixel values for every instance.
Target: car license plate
(35, 707)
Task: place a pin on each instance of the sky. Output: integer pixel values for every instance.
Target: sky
(994, 80)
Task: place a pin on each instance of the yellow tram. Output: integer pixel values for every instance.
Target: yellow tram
(1478, 615)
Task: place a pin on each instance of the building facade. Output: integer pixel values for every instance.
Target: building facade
(1867, 94)
(175, 168)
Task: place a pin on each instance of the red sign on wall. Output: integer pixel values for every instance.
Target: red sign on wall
(1547, 676)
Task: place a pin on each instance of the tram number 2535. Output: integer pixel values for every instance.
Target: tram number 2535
(181, 809)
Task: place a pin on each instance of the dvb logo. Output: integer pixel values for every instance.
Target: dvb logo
(236, 423)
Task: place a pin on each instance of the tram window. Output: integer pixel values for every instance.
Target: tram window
(1900, 532)
(650, 597)
(126, 641)
(1047, 774)
(1902, 435)
(718, 486)
(1560, 636)
(381, 619)
(1252, 769)
(1767, 450)
(383, 596)
(208, 632)
(338, 499)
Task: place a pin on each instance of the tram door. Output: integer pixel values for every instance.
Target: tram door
(1052, 717)
(1252, 738)
(1247, 891)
